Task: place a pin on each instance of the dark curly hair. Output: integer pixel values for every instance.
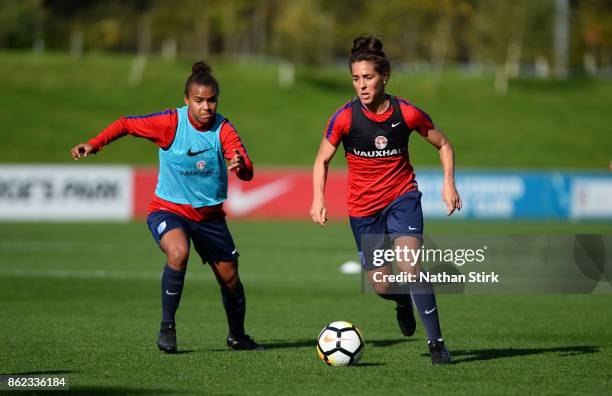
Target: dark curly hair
(201, 74)
(370, 48)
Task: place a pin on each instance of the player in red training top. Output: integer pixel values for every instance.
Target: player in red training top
(384, 202)
(194, 143)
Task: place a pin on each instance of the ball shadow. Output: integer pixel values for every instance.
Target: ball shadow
(387, 343)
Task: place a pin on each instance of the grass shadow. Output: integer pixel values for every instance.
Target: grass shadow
(465, 356)
(41, 372)
(107, 390)
(276, 345)
(184, 352)
(290, 344)
(386, 343)
(370, 364)
(305, 343)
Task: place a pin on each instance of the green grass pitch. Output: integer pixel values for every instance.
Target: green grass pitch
(83, 300)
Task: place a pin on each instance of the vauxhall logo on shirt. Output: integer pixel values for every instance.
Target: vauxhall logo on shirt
(380, 142)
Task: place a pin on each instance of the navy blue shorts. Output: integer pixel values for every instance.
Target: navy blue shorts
(402, 217)
(211, 239)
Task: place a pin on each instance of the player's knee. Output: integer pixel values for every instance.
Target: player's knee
(380, 288)
(411, 269)
(177, 257)
(229, 278)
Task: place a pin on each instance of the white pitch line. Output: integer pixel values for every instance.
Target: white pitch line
(38, 246)
(90, 274)
(125, 275)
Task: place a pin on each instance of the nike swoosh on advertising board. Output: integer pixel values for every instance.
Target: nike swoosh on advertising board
(241, 202)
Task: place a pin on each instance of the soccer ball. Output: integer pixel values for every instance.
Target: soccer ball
(340, 344)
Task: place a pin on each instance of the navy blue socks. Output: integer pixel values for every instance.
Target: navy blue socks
(234, 302)
(171, 288)
(425, 301)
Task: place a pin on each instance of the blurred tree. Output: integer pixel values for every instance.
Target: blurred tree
(95, 24)
(303, 31)
(594, 26)
(180, 25)
(539, 36)
(503, 33)
(405, 26)
(347, 20)
(18, 20)
(421, 30)
(501, 27)
(561, 43)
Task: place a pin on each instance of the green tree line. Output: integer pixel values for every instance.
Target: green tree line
(508, 35)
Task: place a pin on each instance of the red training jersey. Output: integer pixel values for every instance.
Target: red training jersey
(373, 183)
(160, 128)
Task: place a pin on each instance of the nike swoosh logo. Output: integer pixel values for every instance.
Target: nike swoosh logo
(430, 311)
(327, 338)
(194, 153)
(412, 228)
(394, 125)
(172, 294)
(242, 202)
(234, 251)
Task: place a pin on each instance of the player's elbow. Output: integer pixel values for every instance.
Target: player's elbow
(321, 161)
(445, 145)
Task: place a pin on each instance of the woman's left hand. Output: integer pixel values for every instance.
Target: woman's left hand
(451, 197)
(237, 162)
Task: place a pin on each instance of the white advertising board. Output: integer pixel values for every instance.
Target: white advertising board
(54, 192)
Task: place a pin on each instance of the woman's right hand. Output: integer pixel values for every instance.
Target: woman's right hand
(81, 150)
(318, 212)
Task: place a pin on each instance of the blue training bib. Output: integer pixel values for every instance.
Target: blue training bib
(193, 170)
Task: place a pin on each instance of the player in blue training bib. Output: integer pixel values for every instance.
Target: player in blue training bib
(194, 143)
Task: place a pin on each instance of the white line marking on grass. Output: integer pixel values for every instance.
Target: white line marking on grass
(126, 275)
(38, 246)
(89, 274)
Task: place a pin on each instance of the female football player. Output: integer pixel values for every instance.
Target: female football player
(194, 143)
(384, 201)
